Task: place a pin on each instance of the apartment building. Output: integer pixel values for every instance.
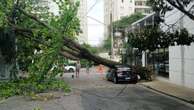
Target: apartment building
(141, 7)
(82, 15)
(179, 59)
(114, 10)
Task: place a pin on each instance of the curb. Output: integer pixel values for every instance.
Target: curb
(173, 96)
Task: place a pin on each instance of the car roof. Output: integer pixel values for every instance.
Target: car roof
(122, 66)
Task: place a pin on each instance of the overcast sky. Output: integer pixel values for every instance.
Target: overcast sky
(95, 29)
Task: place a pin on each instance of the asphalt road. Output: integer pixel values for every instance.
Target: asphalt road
(93, 92)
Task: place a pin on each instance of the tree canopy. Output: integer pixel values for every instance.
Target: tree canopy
(151, 38)
(43, 39)
(127, 20)
(163, 6)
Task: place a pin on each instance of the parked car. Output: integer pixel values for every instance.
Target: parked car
(69, 68)
(120, 74)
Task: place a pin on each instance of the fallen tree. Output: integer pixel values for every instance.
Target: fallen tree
(43, 40)
(74, 50)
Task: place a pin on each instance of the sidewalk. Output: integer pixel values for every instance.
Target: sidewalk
(180, 92)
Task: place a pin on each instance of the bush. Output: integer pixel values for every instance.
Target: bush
(146, 73)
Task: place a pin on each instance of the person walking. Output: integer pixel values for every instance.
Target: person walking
(100, 69)
(88, 67)
(78, 66)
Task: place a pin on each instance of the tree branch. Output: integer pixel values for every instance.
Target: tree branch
(84, 53)
(34, 18)
(191, 16)
(70, 56)
(72, 52)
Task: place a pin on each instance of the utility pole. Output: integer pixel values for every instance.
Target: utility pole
(182, 49)
(111, 35)
(111, 28)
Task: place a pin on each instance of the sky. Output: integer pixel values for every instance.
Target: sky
(95, 29)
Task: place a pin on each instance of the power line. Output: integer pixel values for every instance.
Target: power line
(170, 27)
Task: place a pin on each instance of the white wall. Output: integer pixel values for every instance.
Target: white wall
(181, 58)
(181, 65)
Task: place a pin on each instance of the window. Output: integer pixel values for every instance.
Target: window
(140, 3)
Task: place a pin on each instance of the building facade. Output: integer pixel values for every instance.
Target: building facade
(115, 10)
(141, 7)
(179, 59)
(82, 15)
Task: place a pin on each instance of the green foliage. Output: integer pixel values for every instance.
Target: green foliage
(5, 7)
(161, 7)
(127, 20)
(151, 38)
(93, 50)
(145, 73)
(37, 108)
(146, 39)
(7, 44)
(30, 86)
(39, 58)
(38, 53)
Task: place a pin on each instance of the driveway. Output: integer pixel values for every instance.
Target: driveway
(92, 92)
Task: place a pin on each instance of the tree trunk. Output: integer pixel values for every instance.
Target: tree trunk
(75, 49)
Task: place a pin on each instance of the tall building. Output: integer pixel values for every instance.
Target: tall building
(116, 9)
(141, 7)
(82, 15)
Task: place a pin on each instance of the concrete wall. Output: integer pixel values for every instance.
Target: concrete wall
(181, 61)
(181, 58)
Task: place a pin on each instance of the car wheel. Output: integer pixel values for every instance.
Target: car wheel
(71, 70)
(115, 80)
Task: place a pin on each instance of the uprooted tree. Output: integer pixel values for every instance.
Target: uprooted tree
(42, 39)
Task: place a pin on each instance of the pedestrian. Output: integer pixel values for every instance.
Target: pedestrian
(78, 66)
(88, 67)
(100, 69)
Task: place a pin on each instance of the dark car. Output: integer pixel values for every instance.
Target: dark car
(121, 74)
